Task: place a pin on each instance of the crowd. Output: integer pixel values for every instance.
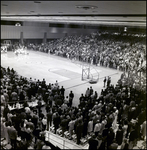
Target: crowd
(123, 52)
(114, 118)
(117, 117)
(23, 127)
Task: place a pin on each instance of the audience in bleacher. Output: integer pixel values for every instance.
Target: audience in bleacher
(117, 116)
(116, 106)
(123, 52)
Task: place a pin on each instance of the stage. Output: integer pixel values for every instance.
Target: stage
(39, 65)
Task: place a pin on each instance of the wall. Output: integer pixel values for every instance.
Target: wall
(37, 32)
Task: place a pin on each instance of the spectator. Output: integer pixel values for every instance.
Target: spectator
(62, 91)
(93, 143)
(71, 127)
(71, 96)
(97, 128)
(132, 138)
(104, 81)
(13, 136)
(90, 126)
(64, 124)
(44, 123)
(49, 119)
(56, 121)
(119, 135)
(110, 137)
(79, 129)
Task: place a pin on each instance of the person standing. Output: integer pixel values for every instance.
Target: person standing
(108, 81)
(87, 94)
(79, 130)
(132, 138)
(104, 81)
(13, 136)
(110, 137)
(49, 119)
(97, 127)
(64, 124)
(71, 96)
(90, 126)
(44, 123)
(119, 135)
(91, 90)
(56, 121)
(115, 118)
(71, 127)
(62, 91)
(93, 143)
(85, 126)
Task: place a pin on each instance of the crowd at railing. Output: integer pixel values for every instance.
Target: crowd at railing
(116, 117)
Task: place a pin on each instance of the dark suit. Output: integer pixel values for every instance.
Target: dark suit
(119, 136)
(49, 119)
(12, 135)
(93, 143)
(110, 138)
(79, 130)
(64, 124)
(56, 122)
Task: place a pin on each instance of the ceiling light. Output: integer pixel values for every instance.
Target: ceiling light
(17, 24)
(37, 2)
(4, 5)
(86, 7)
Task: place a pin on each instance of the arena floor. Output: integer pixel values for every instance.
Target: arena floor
(40, 65)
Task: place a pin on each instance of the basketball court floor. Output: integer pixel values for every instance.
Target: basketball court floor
(39, 65)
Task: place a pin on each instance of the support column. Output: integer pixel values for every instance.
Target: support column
(21, 38)
(45, 37)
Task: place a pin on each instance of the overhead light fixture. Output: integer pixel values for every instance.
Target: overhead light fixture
(17, 24)
(4, 5)
(86, 7)
(37, 2)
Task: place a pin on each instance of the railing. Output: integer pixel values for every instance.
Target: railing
(30, 103)
(61, 143)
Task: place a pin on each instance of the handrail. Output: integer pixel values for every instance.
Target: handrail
(64, 141)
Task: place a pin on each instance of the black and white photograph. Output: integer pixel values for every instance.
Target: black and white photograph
(73, 75)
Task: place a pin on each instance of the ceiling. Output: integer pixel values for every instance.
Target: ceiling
(132, 13)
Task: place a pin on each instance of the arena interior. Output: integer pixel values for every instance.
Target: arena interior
(73, 75)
